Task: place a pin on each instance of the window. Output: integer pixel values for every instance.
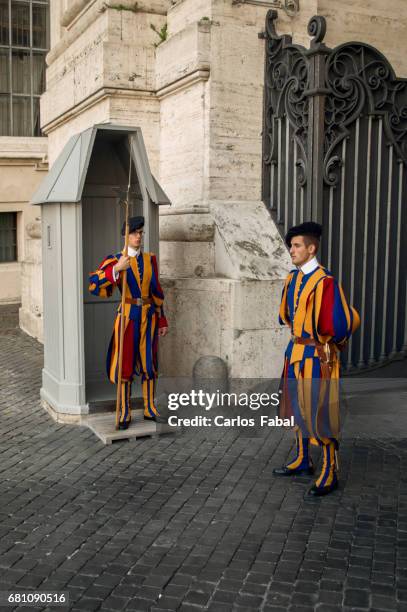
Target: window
(8, 237)
(24, 36)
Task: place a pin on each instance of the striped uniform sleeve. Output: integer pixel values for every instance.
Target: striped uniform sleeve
(283, 317)
(101, 282)
(336, 319)
(157, 293)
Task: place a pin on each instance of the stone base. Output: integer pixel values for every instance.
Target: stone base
(103, 425)
(220, 317)
(31, 324)
(60, 417)
(222, 295)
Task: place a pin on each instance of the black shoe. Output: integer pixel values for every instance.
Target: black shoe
(286, 471)
(157, 418)
(124, 425)
(320, 491)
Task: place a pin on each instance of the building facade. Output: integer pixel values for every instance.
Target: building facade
(190, 73)
(24, 42)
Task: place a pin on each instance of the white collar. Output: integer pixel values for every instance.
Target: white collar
(133, 252)
(309, 266)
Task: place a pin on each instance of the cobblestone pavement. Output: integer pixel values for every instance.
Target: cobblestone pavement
(190, 521)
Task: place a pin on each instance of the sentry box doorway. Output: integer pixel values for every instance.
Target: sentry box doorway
(81, 224)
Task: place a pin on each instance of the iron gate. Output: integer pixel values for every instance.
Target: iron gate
(335, 151)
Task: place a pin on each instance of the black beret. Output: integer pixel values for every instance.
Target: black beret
(135, 223)
(309, 228)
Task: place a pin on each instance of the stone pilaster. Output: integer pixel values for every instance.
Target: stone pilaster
(220, 251)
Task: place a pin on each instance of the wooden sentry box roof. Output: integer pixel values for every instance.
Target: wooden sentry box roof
(66, 178)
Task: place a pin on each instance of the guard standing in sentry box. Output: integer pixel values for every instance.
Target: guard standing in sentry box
(144, 319)
(313, 305)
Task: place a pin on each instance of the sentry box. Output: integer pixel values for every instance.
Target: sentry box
(81, 224)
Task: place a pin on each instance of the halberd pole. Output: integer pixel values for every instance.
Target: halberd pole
(123, 314)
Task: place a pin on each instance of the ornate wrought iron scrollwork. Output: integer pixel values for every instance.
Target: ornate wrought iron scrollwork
(347, 111)
(296, 100)
(357, 78)
(360, 79)
(301, 172)
(286, 81)
(317, 29)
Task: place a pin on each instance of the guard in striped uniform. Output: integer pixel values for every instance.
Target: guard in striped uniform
(144, 318)
(315, 309)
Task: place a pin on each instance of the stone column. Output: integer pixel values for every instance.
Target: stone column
(221, 254)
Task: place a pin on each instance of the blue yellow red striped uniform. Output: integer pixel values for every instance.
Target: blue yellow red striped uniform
(141, 325)
(314, 307)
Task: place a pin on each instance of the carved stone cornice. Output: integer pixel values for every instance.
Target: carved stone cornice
(201, 73)
(157, 7)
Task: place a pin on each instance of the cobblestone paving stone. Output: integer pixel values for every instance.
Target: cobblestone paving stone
(189, 522)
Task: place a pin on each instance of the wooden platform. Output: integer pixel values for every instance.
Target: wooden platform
(103, 425)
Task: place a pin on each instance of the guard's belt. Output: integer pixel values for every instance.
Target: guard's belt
(139, 301)
(325, 352)
(306, 341)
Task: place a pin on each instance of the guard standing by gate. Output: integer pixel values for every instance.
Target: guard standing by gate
(321, 321)
(144, 319)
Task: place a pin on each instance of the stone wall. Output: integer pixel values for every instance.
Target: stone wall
(102, 69)
(22, 166)
(218, 237)
(381, 24)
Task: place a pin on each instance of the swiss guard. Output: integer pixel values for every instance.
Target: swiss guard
(315, 309)
(144, 319)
